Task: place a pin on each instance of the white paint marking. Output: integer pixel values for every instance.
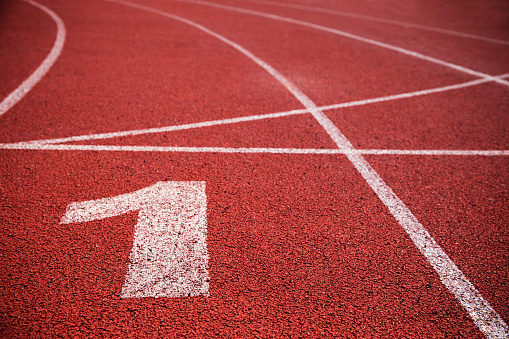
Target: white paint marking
(435, 152)
(169, 256)
(483, 315)
(410, 94)
(246, 150)
(22, 90)
(355, 37)
(172, 128)
(261, 116)
(385, 21)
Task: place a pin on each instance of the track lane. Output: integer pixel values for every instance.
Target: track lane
(464, 202)
(26, 86)
(275, 223)
(349, 35)
(300, 132)
(165, 77)
(210, 123)
(23, 43)
(483, 56)
(469, 118)
(404, 24)
(324, 66)
(486, 19)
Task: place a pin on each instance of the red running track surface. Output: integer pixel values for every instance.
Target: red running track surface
(299, 245)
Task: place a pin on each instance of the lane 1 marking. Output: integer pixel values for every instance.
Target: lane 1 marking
(169, 256)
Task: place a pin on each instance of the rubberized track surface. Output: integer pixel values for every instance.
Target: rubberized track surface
(354, 157)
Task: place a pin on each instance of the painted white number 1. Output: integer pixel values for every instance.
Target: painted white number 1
(169, 256)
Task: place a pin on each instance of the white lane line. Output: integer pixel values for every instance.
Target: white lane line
(355, 37)
(246, 150)
(410, 94)
(169, 256)
(262, 116)
(381, 20)
(22, 90)
(483, 315)
(172, 128)
(435, 152)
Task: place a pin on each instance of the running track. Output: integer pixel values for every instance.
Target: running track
(326, 169)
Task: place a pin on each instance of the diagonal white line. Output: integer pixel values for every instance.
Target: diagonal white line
(246, 150)
(484, 316)
(22, 90)
(381, 20)
(261, 116)
(115, 148)
(172, 128)
(410, 94)
(355, 37)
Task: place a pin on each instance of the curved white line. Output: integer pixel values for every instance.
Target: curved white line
(354, 37)
(483, 315)
(381, 20)
(22, 90)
